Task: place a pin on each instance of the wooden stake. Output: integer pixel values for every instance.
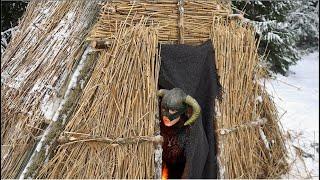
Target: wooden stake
(181, 23)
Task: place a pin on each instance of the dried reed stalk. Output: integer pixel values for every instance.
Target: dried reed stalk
(119, 102)
(251, 151)
(197, 18)
(34, 72)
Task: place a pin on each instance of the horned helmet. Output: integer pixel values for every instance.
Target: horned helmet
(174, 103)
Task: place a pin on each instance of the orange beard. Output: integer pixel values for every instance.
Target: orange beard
(169, 123)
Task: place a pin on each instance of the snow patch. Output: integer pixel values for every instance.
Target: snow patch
(82, 83)
(271, 36)
(49, 106)
(222, 169)
(297, 101)
(36, 87)
(259, 99)
(264, 138)
(63, 29)
(45, 11)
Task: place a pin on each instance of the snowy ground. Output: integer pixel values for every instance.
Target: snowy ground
(297, 100)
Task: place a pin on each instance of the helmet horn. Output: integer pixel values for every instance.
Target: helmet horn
(196, 110)
(162, 92)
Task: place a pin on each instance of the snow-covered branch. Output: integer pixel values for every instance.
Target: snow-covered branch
(6, 36)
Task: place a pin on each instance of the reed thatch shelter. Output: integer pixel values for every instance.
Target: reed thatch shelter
(78, 90)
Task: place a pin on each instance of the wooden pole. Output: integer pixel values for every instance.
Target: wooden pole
(66, 140)
(52, 132)
(181, 24)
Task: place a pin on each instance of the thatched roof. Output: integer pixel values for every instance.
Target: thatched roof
(35, 70)
(56, 125)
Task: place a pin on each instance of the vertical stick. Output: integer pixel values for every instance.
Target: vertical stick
(158, 147)
(181, 25)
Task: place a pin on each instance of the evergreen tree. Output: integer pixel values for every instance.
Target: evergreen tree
(11, 11)
(304, 21)
(270, 21)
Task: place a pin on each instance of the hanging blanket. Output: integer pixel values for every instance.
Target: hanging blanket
(193, 69)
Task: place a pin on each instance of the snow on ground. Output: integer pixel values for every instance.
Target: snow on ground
(297, 101)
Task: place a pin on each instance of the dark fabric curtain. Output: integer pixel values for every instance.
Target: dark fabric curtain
(193, 69)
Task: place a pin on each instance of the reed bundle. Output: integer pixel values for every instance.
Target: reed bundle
(190, 21)
(249, 139)
(111, 133)
(34, 72)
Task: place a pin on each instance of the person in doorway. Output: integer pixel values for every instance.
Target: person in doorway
(178, 112)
